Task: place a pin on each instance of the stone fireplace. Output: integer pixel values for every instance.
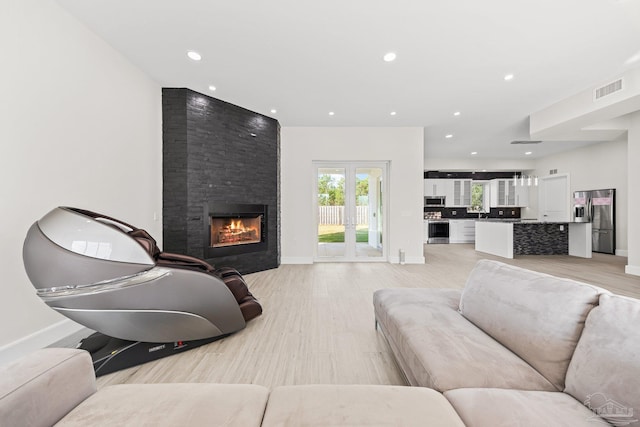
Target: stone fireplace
(235, 229)
(221, 174)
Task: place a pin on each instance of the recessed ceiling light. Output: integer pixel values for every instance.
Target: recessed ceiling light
(194, 55)
(457, 113)
(508, 77)
(273, 111)
(388, 57)
(473, 153)
(393, 113)
(448, 136)
(528, 153)
(212, 88)
(331, 113)
(253, 135)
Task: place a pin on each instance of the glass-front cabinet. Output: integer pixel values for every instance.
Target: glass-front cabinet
(505, 193)
(461, 193)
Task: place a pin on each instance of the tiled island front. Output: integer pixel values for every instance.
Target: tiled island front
(511, 238)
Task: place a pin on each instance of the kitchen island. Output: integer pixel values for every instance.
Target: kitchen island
(509, 238)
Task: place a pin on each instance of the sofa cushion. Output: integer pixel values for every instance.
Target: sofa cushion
(438, 348)
(387, 301)
(499, 407)
(358, 405)
(537, 316)
(171, 405)
(42, 387)
(605, 368)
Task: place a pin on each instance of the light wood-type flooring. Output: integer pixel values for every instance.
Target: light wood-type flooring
(318, 323)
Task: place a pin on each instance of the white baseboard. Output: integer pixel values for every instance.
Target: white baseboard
(296, 260)
(632, 269)
(622, 252)
(407, 260)
(40, 339)
(392, 260)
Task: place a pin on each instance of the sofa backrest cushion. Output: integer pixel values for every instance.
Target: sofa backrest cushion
(604, 372)
(42, 387)
(537, 316)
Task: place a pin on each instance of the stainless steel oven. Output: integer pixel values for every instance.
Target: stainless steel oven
(438, 231)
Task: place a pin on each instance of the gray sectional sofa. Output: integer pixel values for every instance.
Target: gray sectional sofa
(519, 348)
(513, 348)
(57, 386)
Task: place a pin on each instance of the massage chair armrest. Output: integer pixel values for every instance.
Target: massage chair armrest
(41, 388)
(168, 259)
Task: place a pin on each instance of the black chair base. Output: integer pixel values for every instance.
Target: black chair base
(113, 354)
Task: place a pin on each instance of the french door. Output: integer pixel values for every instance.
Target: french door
(351, 211)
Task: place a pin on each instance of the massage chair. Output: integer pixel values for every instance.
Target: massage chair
(144, 304)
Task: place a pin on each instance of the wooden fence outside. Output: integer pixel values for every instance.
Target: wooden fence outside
(334, 215)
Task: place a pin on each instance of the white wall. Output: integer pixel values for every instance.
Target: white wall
(79, 126)
(593, 167)
(403, 147)
(633, 159)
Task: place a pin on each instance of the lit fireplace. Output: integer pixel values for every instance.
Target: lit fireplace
(232, 229)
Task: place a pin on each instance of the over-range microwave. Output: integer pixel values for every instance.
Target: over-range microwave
(434, 201)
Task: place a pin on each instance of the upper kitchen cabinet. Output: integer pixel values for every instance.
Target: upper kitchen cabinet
(436, 187)
(460, 193)
(522, 195)
(456, 191)
(505, 193)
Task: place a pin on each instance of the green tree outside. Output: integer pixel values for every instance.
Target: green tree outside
(477, 197)
(330, 190)
(362, 190)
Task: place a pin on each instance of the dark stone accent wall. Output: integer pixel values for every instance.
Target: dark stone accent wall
(174, 172)
(540, 239)
(214, 151)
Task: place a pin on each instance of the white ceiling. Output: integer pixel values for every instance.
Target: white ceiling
(306, 58)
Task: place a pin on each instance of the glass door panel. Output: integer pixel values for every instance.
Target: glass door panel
(332, 225)
(368, 218)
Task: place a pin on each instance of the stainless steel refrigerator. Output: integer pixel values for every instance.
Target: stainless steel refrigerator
(598, 207)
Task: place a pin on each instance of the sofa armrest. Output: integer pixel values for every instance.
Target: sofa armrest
(43, 387)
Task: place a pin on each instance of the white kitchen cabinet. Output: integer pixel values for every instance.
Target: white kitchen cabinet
(504, 193)
(500, 190)
(462, 231)
(522, 195)
(460, 193)
(436, 187)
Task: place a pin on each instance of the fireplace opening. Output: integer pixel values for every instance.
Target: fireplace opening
(232, 229)
(228, 231)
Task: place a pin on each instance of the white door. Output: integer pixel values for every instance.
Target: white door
(554, 198)
(350, 207)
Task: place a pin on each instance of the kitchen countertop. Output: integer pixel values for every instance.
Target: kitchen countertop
(505, 220)
(526, 221)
